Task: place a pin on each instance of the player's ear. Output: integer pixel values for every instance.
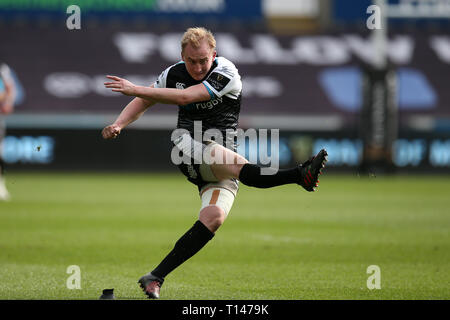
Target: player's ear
(214, 54)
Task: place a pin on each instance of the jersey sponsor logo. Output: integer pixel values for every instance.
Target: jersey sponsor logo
(218, 81)
(208, 105)
(180, 85)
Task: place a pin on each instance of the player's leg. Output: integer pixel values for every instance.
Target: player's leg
(186, 246)
(4, 194)
(228, 164)
(216, 204)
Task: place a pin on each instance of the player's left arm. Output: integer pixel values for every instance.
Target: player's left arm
(189, 95)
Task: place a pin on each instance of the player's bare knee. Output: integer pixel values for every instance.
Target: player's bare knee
(212, 217)
(237, 169)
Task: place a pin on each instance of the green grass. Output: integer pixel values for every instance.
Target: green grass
(281, 243)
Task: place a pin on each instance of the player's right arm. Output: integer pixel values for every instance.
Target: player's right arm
(133, 111)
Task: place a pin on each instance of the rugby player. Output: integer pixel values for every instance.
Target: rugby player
(206, 88)
(7, 96)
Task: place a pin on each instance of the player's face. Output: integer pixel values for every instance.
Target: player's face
(198, 60)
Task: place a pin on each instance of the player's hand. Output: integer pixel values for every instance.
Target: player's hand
(120, 85)
(111, 131)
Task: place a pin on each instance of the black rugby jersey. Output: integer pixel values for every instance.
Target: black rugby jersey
(221, 112)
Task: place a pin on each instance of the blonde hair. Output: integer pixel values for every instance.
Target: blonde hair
(195, 35)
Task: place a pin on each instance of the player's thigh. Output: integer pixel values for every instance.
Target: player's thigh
(224, 163)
